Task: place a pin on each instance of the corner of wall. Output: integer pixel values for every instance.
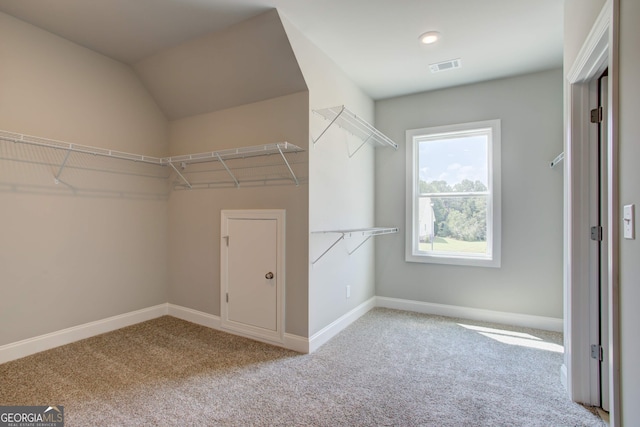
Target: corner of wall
(341, 189)
(93, 242)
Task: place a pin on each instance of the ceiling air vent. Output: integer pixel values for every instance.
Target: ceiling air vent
(445, 65)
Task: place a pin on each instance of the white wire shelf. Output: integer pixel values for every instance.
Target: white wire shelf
(234, 153)
(364, 232)
(221, 156)
(353, 124)
(77, 148)
(367, 233)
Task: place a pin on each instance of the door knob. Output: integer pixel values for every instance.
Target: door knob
(269, 275)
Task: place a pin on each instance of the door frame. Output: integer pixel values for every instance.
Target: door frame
(598, 255)
(599, 52)
(279, 215)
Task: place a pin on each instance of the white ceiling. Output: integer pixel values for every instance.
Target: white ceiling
(374, 41)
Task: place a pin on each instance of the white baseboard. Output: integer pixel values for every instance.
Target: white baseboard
(40, 343)
(194, 316)
(514, 319)
(334, 328)
(309, 345)
(297, 343)
(291, 342)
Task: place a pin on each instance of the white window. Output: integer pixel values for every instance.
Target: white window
(453, 194)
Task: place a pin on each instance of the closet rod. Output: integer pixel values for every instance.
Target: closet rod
(557, 160)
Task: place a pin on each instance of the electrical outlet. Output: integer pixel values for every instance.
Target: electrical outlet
(348, 291)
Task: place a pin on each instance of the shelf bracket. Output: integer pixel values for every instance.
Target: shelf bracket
(56, 179)
(328, 249)
(180, 175)
(361, 243)
(367, 233)
(328, 126)
(361, 145)
(293, 175)
(71, 187)
(228, 170)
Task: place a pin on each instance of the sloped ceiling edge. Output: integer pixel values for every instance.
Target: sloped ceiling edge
(248, 62)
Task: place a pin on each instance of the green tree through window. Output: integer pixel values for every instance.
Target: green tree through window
(453, 206)
(462, 218)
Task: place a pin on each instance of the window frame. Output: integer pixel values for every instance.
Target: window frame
(494, 235)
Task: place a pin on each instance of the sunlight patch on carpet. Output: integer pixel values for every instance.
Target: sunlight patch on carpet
(515, 338)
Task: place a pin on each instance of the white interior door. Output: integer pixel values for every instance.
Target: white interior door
(251, 273)
(251, 287)
(598, 253)
(604, 250)
(596, 55)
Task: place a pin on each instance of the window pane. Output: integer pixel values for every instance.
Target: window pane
(453, 194)
(453, 164)
(453, 224)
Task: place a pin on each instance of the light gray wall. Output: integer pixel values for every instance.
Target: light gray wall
(341, 190)
(194, 226)
(577, 26)
(629, 175)
(530, 279)
(70, 258)
(579, 16)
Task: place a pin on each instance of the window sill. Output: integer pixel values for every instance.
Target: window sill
(469, 261)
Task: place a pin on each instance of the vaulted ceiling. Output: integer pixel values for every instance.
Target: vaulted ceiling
(374, 41)
(248, 62)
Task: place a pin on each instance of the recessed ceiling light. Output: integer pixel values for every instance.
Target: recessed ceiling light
(429, 37)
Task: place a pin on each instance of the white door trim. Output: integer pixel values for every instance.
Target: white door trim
(278, 215)
(599, 51)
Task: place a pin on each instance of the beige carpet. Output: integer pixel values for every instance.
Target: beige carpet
(390, 368)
